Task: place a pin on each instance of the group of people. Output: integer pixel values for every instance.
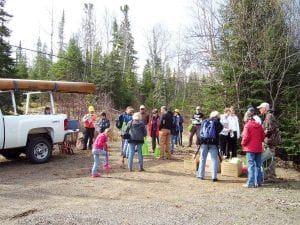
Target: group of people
(257, 136)
(165, 129)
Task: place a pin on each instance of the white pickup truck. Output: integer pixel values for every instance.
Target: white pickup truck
(33, 135)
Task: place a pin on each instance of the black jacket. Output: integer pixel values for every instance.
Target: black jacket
(166, 121)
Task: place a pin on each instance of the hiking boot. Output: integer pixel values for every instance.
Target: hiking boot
(201, 178)
(141, 170)
(96, 175)
(107, 167)
(215, 180)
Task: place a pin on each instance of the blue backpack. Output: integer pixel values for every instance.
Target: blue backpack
(119, 121)
(208, 131)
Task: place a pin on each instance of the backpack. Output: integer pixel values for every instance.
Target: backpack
(119, 121)
(208, 132)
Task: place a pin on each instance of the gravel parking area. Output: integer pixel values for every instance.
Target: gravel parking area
(62, 192)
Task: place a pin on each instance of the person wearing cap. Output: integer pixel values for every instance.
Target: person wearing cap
(89, 121)
(272, 138)
(153, 128)
(145, 116)
(210, 145)
(196, 124)
(252, 110)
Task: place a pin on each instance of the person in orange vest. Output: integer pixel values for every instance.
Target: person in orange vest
(89, 121)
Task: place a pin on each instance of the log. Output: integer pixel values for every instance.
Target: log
(45, 85)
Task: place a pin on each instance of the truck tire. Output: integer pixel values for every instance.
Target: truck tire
(11, 154)
(39, 149)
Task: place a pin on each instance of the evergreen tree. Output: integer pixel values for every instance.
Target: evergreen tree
(21, 65)
(147, 86)
(7, 67)
(41, 63)
(253, 59)
(258, 61)
(61, 30)
(70, 65)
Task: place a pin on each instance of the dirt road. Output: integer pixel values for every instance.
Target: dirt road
(62, 192)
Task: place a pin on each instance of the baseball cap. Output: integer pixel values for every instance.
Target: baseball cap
(251, 109)
(176, 110)
(142, 107)
(264, 105)
(198, 107)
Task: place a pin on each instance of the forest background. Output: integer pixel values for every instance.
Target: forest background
(235, 53)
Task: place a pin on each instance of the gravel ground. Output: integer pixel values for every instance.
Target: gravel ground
(62, 192)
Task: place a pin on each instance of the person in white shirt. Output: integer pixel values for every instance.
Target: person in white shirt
(234, 134)
(224, 134)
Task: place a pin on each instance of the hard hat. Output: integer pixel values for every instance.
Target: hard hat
(91, 109)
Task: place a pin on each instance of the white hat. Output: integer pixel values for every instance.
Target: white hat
(264, 105)
(142, 107)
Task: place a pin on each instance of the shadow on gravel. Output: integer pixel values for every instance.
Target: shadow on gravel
(168, 172)
(287, 184)
(231, 181)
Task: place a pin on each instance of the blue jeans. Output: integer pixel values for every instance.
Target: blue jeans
(131, 151)
(96, 155)
(125, 148)
(254, 169)
(173, 142)
(214, 160)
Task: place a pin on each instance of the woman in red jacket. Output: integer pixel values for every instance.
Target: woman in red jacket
(253, 137)
(153, 128)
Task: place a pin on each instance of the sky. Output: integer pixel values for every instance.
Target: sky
(32, 19)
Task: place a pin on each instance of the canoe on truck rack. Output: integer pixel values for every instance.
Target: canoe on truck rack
(46, 85)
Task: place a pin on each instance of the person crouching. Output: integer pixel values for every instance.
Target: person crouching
(100, 148)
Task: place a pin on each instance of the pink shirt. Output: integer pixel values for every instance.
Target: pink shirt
(101, 141)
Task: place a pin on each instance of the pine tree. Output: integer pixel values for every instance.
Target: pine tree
(41, 63)
(7, 67)
(61, 30)
(21, 65)
(70, 65)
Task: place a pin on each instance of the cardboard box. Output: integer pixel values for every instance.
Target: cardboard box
(231, 169)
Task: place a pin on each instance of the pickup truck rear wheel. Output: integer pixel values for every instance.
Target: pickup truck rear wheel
(39, 149)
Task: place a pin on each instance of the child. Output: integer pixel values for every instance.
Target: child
(100, 148)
